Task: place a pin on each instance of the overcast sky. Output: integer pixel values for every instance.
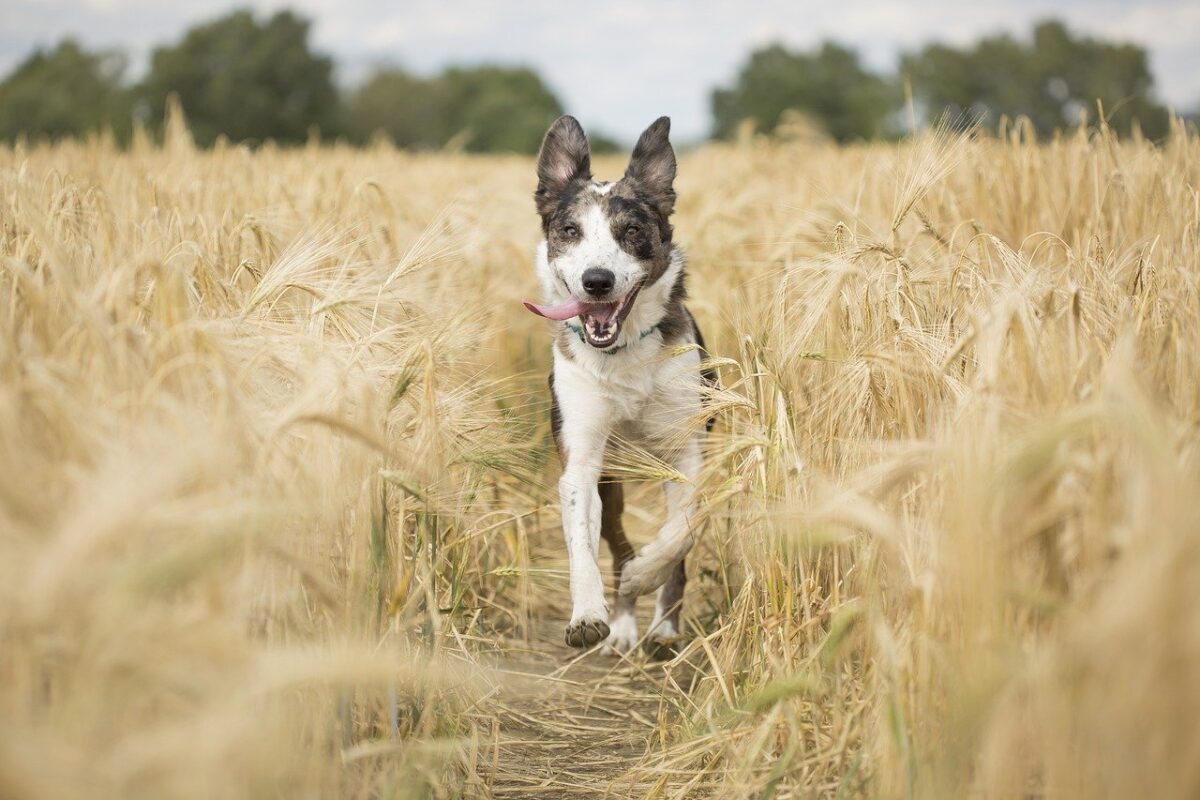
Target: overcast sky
(618, 64)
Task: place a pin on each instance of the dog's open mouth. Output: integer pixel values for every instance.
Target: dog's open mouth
(601, 321)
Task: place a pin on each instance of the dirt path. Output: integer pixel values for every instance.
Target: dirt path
(571, 724)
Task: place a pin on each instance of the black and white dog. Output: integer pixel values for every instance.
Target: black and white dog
(627, 363)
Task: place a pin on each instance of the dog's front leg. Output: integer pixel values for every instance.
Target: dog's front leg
(580, 502)
(583, 438)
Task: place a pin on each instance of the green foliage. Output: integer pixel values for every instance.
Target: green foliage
(486, 109)
(252, 80)
(502, 109)
(244, 79)
(66, 91)
(1051, 79)
(828, 85)
(396, 104)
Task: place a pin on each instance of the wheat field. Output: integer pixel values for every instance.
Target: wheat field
(277, 507)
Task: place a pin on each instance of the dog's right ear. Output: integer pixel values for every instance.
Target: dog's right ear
(563, 159)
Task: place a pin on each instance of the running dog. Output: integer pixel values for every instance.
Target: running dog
(626, 363)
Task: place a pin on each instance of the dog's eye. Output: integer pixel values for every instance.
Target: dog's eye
(570, 230)
(632, 230)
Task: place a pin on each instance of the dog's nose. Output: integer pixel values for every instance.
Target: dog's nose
(598, 282)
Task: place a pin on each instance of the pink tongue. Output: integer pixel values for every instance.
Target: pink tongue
(602, 312)
(571, 308)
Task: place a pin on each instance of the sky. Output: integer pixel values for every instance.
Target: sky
(619, 64)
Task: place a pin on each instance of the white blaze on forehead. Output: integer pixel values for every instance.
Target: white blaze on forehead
(602, 187)
(597, 247)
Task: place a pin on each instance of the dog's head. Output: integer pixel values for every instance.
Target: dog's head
(605, 242)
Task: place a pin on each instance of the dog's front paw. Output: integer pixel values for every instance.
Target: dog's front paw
(586, 630)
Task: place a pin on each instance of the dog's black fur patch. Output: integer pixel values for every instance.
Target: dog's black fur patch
(556, 420)
(707, 374)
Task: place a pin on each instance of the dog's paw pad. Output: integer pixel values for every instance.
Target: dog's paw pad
(586, 632)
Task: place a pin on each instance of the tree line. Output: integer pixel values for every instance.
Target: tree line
(252, 80)
(1054, 79)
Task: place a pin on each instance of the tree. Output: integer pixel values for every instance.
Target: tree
(828, 85)
(398, 105)
(66, 91)
(246, 80)
(1050, 80)
(490, 108)
(498, 108)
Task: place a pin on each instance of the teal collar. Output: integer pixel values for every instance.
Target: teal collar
(579, 332)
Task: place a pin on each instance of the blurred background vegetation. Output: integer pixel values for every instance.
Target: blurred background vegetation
(251, 80)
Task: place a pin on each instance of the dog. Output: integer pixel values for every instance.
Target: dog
(628, 363)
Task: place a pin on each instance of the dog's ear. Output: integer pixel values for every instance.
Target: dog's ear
(563, 159)
(652, 165)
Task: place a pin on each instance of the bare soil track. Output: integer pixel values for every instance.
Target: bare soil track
(568, 723)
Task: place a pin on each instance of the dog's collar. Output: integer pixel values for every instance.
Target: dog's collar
(579, 332)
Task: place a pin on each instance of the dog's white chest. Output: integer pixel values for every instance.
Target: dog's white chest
(641, 398)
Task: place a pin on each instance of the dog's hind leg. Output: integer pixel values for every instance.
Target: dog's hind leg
(623, 635)
(663, 639)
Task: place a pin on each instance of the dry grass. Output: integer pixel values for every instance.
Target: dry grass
(275, 516)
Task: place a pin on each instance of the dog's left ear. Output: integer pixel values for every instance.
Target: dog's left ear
(652, 165)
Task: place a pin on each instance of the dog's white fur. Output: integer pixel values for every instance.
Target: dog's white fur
(642, 394)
